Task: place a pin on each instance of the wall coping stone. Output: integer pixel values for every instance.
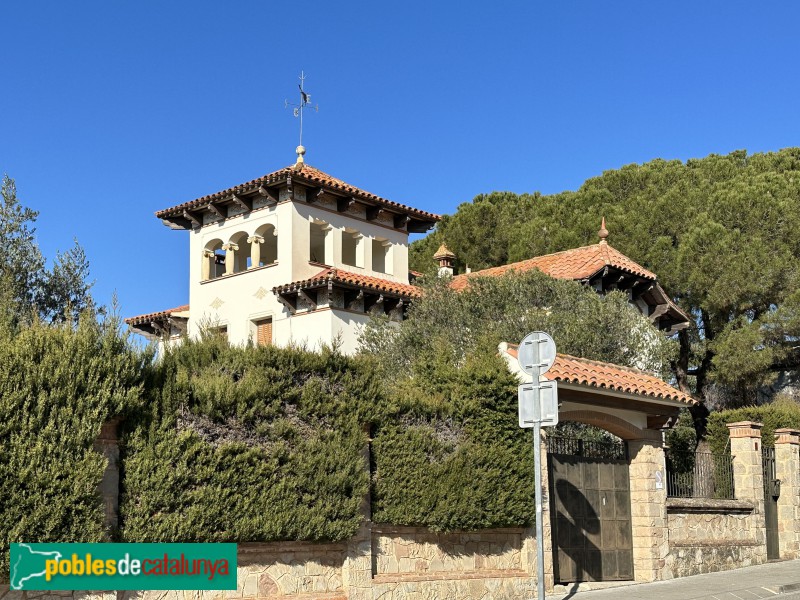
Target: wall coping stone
(451, 575)
(404, 529)
(260, 547)
(714, 544)
(745, 429)
(711, 505)
(786, 435)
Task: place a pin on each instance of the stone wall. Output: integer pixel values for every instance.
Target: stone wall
(386, 563)
(707, 535)
(411, 562)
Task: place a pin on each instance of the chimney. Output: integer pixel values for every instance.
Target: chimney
(446, 260)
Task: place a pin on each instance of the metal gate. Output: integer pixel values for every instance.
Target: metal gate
(591, 510)
(772, 491)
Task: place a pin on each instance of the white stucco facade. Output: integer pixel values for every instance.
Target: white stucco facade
(241, 295)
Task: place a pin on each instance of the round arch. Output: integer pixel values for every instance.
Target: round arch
(611, 423)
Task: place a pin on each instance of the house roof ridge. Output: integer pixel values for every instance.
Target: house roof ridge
(578, 370)
(583, 258)
(154, 315)
(592, 361)
(336, 274)
(308, 173)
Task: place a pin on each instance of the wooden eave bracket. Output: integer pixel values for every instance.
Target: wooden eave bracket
(286, 299)
(351, 297)
(216, 210)
(177, 223)
(268, 193)
(158, 328)
(192, 218)
(374, 212)
(372, 300)
(178, 323)
(344, 204)
(245, 205)
(660, 421)
(416, 226)
(307, 297)
(400, 221)
(659, 312)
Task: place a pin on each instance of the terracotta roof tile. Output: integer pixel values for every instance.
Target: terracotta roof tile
(578, 263)
(310, 175)
(138, 320)
(346, 277)
(593, 373)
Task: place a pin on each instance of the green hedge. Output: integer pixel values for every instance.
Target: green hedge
(450, 454)
(783, 412)
(58, 385)
(266, 444)
(248, 444)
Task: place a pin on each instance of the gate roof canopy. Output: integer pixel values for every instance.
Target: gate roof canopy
(601, 393)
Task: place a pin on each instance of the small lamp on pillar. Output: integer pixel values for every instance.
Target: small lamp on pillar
(446, 260)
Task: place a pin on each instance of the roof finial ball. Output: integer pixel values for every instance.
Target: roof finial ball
(298, 166)
(603, 233)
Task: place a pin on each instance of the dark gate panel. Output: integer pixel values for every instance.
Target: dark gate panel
(772, 490)
(591, 508)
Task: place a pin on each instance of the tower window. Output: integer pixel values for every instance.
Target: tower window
(318, 248)
(351, 248)
(381, 255)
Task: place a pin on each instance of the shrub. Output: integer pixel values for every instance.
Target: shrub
(58, 385)
(783, 412)
(248, 444)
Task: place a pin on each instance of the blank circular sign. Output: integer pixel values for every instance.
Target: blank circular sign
(537, 352)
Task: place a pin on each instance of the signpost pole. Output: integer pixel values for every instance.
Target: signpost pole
(537, 460)
(538, 406)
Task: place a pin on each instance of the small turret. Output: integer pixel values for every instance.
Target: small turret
(446, 260)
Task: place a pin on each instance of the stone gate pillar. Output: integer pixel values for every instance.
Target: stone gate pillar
(648, 506)
(787, 466)
(106, 444)
(357, 567)
(748, 476)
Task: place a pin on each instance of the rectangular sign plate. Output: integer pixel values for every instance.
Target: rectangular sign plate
(538, 401)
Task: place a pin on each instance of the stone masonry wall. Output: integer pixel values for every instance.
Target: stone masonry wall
(409, 562)
(406, 563)
(706, 536)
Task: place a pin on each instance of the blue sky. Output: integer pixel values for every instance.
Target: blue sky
(112, 110)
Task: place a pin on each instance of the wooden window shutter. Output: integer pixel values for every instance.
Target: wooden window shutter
(264, 332)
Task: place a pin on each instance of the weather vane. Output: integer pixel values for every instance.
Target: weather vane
(297, 110)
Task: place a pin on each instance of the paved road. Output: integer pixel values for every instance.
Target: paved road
(779, 580)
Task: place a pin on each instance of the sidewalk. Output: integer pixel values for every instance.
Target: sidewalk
(749, 583)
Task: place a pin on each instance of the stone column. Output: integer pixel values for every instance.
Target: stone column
(230, 257)
(787, 465)
(255, 242)
(648, 506)
(206, 266)
(748, 477)
(357, 567)
(106, 444)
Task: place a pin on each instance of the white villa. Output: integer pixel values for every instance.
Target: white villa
(296, 256)
(300, 257)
